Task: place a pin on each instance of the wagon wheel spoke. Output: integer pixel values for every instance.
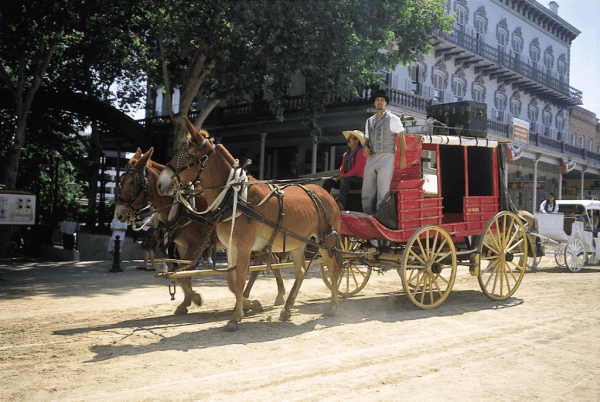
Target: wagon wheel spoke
(428, 268)
(502, 267)
(352, 277)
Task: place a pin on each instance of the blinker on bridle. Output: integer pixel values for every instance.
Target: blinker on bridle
(183, 153)
(140, 184)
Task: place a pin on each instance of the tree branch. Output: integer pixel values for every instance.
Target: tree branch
(205, 112)
(8, 81)
(159, 39)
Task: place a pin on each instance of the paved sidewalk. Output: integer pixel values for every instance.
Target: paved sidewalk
(39, 269)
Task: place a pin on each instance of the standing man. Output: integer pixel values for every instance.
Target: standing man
(381, 131)
(68, 228)
(351, 171)
(118, 229)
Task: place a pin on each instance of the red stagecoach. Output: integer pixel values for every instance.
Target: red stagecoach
(449, 213)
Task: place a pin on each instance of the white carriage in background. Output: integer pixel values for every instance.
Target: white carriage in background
(571, 234)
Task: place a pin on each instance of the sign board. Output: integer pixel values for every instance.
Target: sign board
(526, 185)
(520, 131)
(17, 208)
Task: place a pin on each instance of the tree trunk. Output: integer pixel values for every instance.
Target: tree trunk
(205, 112)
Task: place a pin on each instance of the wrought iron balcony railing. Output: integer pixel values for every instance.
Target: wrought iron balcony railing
(504, 59)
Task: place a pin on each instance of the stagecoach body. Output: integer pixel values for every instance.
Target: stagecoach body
(449, 213)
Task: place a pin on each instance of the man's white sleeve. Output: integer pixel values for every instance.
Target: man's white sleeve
(396, 125)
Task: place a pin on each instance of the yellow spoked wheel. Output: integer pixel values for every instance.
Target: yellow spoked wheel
(502, 256)
(428, 268)
(353, 277)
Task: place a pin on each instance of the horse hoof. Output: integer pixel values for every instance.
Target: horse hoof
(232, 326)
(197, 299)
(330, 312)
(279, 301)
(257, 307)
(284, 316)
(181, 311)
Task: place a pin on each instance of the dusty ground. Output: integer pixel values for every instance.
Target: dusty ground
(75, 332)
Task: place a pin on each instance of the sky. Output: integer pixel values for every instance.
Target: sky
(584, 15)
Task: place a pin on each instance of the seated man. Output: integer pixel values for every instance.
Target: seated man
(351, 171)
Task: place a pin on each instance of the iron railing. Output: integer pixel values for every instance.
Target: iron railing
(506, 60)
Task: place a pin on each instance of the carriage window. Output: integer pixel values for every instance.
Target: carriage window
(480, 171)
(430, 176)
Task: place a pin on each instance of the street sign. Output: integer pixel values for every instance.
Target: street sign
(520, 131)
(526, 185)
(17, 207)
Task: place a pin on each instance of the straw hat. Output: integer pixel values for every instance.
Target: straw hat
(357, 134)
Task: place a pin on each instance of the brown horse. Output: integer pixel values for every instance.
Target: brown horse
(308, 217)
(132, 194)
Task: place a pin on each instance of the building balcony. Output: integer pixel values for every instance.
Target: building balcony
(505, 68)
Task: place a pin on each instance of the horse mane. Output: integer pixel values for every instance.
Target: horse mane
(156, 165)
(232, 161)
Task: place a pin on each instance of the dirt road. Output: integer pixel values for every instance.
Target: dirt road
(75, 332)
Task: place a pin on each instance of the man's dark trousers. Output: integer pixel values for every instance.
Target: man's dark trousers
(344, 185)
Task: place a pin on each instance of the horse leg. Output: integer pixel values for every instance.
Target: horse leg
(334, 269)
(279, 300)
(259, 260)
(236, 281)
(297, 256)
(253, 276)
(188, 296)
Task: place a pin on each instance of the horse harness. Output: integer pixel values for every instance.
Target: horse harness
(224, 212)
(183, 154)
(171, 229)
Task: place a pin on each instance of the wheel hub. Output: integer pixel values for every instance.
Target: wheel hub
(436, 268)
(508, 257)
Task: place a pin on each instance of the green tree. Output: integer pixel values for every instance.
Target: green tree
(228, 49)
(66, 46)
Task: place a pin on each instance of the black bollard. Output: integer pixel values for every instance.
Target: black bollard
(117, 257)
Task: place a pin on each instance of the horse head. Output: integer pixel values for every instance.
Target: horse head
(188, 162)
(132, 193)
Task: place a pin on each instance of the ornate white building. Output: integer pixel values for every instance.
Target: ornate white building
(513, 55)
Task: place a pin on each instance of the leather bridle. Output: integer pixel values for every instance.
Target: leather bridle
(140, 185)
(183, 154)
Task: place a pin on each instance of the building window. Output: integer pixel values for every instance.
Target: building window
(590, 145)
(534, 53)
(515, 107)
(547, 122)
(461, 10)
(582, 142)
(517, 44)
(461, 18)
(438, 86)
(459, 88)
(417, 77)
(573, 139)
(500, 107)
(560, 127)
(562, 71)
(478, 92)
(502, 36)
(532, 115)
(481, 24)
(548, 60)
(502, 40)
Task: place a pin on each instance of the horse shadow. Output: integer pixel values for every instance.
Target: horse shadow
(260, 327)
